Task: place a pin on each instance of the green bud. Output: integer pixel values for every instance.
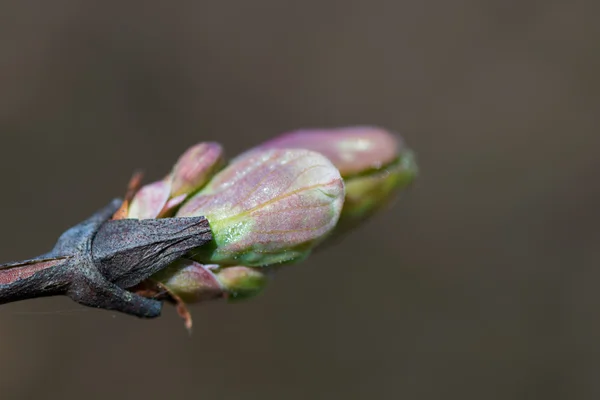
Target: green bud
(268, 207)
(241, 283)
(368, 193)
(191, 281)
(194, 282)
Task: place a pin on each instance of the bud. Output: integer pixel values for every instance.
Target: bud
(194, 282)
(268, 207)
(274, 203)
(241, 283)
(150, 200)
(191, 281)
(192, 171)
(195, 168)
(352, 150)
(366, 194)
(373, 162)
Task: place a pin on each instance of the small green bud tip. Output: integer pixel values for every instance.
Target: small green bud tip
(194, 282)
(370, 192)
(241, 283)
(268, 207)
(191, 281)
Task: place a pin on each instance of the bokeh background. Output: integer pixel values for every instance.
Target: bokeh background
(481, 283)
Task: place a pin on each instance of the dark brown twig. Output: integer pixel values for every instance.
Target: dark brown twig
(96, 261)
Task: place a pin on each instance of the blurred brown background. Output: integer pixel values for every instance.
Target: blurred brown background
(481, 283)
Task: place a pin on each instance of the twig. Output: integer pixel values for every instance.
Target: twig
(96, 261)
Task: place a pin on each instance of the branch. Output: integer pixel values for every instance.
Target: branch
(95, 261)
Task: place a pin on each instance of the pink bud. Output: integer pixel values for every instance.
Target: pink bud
(195, 167)
(352, 150)
(150, 200)
(270, 207)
